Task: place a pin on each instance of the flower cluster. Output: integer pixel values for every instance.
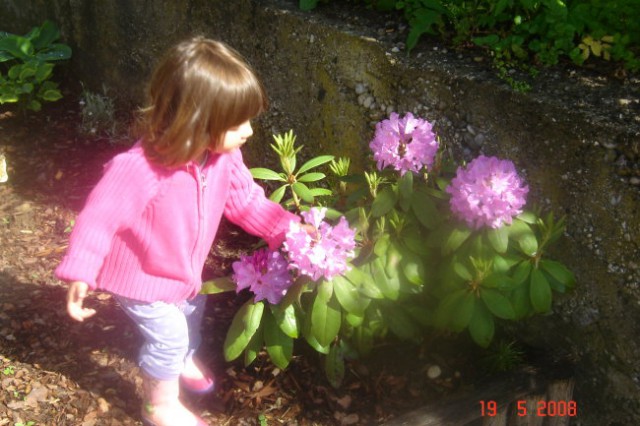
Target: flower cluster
(406, 144)
(488, 192)
(323, 253)
(265, 273)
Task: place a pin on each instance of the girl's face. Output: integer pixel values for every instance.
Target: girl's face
(235, 137)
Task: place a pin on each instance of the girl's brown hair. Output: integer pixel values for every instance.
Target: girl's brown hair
(200, 89)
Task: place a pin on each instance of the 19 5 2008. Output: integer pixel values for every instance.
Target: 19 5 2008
(541, 408)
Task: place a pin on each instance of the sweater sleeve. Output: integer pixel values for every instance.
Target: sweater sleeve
(117, 200)
(248, 207)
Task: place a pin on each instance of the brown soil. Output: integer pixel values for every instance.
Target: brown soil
(55, 371)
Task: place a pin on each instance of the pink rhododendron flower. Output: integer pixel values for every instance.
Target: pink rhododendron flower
(406, 144)
(488, 192)
(265, 273)
(323, 254)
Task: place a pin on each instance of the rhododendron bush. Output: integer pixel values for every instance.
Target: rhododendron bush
(417, 245)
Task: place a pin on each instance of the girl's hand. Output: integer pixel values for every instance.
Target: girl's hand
(75, 297)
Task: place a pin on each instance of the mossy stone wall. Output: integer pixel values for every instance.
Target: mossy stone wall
(576, 137)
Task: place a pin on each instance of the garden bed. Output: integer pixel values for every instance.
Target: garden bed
(58, 372)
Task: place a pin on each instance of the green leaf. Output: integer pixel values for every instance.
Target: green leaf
(436, 193)
(45, 35)
(364, 340)
(384, 202)
(279, 345)
(28, 70)
(522, 233)
(559, 271)
(422, 21)
(334, 366)
(245, 323)
(277, 195)
(286, 320)
(463, 311)
(254, 347)
(425, 209)
(357, 276)
(482, 327)
(34, 105)
(405, 186)
(331, 214)
(368, 286)
(325, 320)
(294, 293)
(500, 5)
(52, 95)
(455, 239)
(218, 285)
(324, 192)
(390, 288)
(521, 272)
(56, 52)
(413, 268)
(498, 280)
(529, 244)
(528, 217)
(310, 338)
(490, 40)
(393, 257)
(8, 98)
(43, 72)
(311, 177)
(17, 46)
(415, 242)
(307, 5)
(540, 292)
(266, 174)
(456, 310)
(27, 88)
(381, 245)
(361, 277)
(14, 71)
(324, 290)
(503, 263)
(497, 303)
(521, 301)
(302, 191)
(315, 162)
(442, 183)
(420, 314)
(354, 320)
(349, 297)
(461, 270)
(499, 239)
(399, 322)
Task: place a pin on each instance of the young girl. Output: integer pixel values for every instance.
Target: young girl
(147, 227)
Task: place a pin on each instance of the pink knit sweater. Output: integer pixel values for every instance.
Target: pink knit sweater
(145, 231)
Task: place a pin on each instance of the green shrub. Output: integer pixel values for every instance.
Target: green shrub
(26, 66)
(418, 269)
(538, 32)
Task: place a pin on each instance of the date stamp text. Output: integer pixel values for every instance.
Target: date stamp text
(541, 408)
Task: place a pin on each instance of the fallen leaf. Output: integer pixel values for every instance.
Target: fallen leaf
(345, 401)
(38, 394)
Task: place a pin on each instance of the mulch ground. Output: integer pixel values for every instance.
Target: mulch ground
(55, 371)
